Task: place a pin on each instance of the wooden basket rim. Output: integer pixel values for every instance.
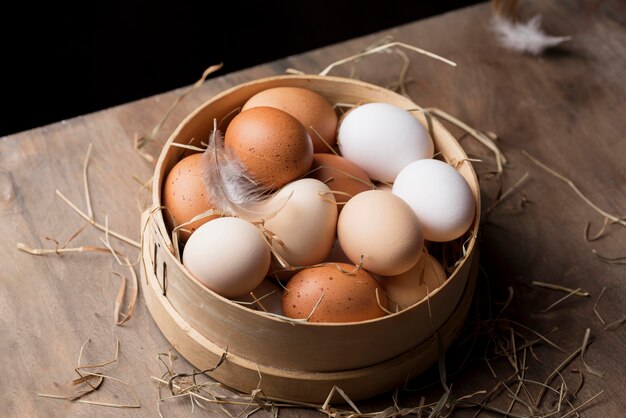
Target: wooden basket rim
(164, 237)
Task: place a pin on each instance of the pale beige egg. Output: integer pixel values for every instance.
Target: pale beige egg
(382, 230)
(408, 288)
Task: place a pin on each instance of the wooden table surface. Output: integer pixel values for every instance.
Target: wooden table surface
(566, 108)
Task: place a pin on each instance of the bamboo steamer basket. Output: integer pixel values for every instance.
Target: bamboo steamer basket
(298, 361)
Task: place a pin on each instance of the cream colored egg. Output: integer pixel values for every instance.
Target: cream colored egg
(383, 229)
(305, 226)
(414, 285)
(227, 255)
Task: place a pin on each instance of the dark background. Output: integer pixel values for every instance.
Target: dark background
(60, 60)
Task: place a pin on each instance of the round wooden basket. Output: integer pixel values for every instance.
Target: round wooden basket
(299, 361)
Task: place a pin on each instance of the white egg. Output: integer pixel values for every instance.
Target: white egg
(440, 197)
(382, 139)
(227, 255)
(305, 227)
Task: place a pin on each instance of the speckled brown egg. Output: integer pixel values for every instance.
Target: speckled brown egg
(310, 108)
(271, 144)
(185, 196)
(347, 297)
(341, 175)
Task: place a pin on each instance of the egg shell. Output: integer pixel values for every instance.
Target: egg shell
(274, 146)
(347, 297)
(340, 174)
(306, 225)
(382, 139)
(384, 229)
(227, 255)
(310, 108)
(408, 288)
(185, 196)
(269, 294)
(440, 197)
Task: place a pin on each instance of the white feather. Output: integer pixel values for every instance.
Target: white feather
(231, 191)
(525, 37)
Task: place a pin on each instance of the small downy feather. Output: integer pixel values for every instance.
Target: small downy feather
(231, 191)
(525, 37)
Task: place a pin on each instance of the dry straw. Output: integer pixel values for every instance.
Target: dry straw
(90, 382)
(121, 258)
(142, 140)
(506, 338)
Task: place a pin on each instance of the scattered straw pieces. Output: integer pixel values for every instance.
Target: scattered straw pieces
(507, 193)
(552, 286)
(582, 355)
(570, 294)
(595, 306)
(96, 224)
(90, 382)
(481, 137)
(558, 369)
(611, 218)
(615, 324)
(77, 388)
(122, 259)
(86, 182)
(382, 48)
(141, 140)
(337, 389)
(600, 232)
(609, 260)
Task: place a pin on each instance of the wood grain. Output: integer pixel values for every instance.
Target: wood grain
(565, 108)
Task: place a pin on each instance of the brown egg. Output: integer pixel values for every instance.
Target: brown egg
(311, 109)
(272, 145)
(340, 174)
(347, 298)
(185, 196)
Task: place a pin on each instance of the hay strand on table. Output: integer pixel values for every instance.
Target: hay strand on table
(96, 224)
(557, 370)
(584, 350)
(612, 218)
(381, 48)
(615, 324)
(506, 194)
(560, 288)
(481, 137)
(141, 140)
(86, 182)
(87, 377)
(600, 232)
(564, 298)
(89, 248)
(609, 260)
